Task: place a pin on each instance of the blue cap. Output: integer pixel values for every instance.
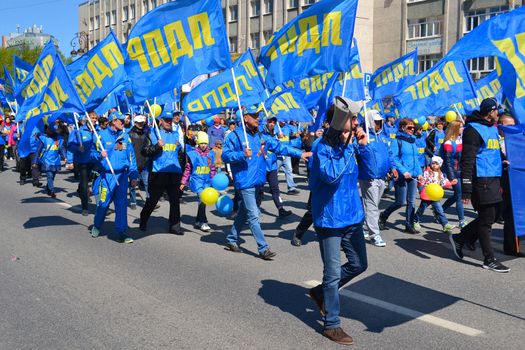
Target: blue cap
(390, 115)
(165, 114)
(116, 115)
(253, 110)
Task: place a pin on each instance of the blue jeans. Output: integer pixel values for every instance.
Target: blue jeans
(50, 175)
(335, 275)
(143, 175)
(248, 210)
(437, 208)
(286, 164)
(456, 198)
(406, 191)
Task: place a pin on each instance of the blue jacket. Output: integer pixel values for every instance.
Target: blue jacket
(405, 154)
(34, 141)
(270, 157)
(73, 144)
(381, 161)
(200, 177)
(215, 134)
(333, 182)
(390, 132)
(439, 138)
(50, 151)
(488, 158)
(166, 159)
(421, 146)
(251, 172)
(120, 152)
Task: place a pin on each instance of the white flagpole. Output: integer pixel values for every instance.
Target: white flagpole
(155, 126)
(75, 115)
(344, 83)
(457, 110)
(240, 108)
(366, 119)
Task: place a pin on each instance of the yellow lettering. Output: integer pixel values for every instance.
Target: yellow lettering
(451, 73)
(228, 88)
(309, 35)
(195, 106)
(509, 49)
(157, 51)
(200, 29)
(213, 94)
(177, 41)
(331, 34)
(136, 52)
(98, 70)
(113, 55)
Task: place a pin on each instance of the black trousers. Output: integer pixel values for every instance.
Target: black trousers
(27, 170)
(273, 183)
(158, 183)
(306, 221)
(481, 228)
(84, 172)
(295, 165)
(510, 241)
(2, 151)
(201, 213)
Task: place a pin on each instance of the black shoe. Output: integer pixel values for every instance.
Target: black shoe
(267, 254)
(382, 221)
(411, 230)
(316, 293)
(295, 191)
(176, 231)
(494, 265)
(284, 213)
(232, 247)
(296, 240)
(37, 184)
(457, 247)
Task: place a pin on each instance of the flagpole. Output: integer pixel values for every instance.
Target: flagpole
(102, 147)
(457, 110)
(240, 108)
(155, 126)
(344, 84)
(366, 119)
(78, 129)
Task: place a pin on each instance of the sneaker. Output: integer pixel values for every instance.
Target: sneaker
(411, 230)
(232, 247)
(198, 224)
(378, 241)
(284, 213)
(448, 228)
(176, 231)
(52, 194)
(457, 247)
(85, 212)
(296, 241)
(495, 266)
(417, 227)
(462, 224)
(295, 191)
(366, 235)
(133, 206)
(205, 228)
(267, 254)
(95, 232)
(338, 335)
(316, 294)
(123, 238)
(382, 221)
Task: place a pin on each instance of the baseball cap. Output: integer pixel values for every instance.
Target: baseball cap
(139, 118)
(488, 105)
(116, 115)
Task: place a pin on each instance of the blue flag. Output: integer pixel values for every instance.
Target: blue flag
(8, 85)
(99, 71)
(287, 105)
(46, 90)
(22, 69)
(446, 83)
(167, 100)
(324, 103)
(217, 93)
(394, 76)
(315, 42)
(174, 43)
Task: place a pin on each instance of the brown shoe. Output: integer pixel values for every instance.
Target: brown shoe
(314, 294)
(338, 335)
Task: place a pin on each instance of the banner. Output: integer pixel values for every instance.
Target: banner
(8, 83)
(99, 71)
(21, 69)
(287, 105)
(444, 84)
(174, 43)
(317, 41)
(218, 93)
(46, 90)
(393, 77)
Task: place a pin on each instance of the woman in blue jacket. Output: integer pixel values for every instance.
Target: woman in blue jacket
(405, 154)
(50, 152)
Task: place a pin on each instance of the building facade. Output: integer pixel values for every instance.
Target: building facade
(33, 37)
(385, 29)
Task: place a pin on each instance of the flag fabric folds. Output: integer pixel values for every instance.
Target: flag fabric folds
(317, 41)
(394, 76)
(287, 105)
(21, 70)
(174, 43)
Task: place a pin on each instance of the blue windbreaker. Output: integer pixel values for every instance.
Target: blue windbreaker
(405, 154)
(120, 152)
(88, 142)
(381, 160)
(50, 151)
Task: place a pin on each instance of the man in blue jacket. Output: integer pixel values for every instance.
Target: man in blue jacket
(116, 146)
(248, 165)
(337, 210)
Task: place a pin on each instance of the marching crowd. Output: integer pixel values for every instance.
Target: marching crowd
(351, 162)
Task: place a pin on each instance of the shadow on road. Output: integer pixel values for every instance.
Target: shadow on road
(52, 220)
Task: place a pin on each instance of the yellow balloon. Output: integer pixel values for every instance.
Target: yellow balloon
(209, 196)
(425, 126)
(434, 191)
(156, 110)
(415, 121)
(451, 116)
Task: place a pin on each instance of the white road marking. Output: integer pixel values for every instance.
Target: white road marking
(436, 321)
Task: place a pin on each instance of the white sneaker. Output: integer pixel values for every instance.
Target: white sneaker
(205, 227)
(378, 241)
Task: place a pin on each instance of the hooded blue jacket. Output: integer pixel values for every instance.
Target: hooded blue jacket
(405, 154)
(390, 132)
(251, 172)
(88, 142)
(333, 182)
(120, 152)
(379, 156)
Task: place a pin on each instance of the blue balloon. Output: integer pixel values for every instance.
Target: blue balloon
(421, 120)
(220, 181)
(209, 121)
(224, 205)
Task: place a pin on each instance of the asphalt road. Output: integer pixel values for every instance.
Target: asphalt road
(62, 289)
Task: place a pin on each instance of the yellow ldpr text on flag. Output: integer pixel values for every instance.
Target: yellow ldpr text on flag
(99, 67)
(304, 35)
(285, 102)
(21, 74)
(510, 48)
(53, 100)
(396, 73)
(40, 79)
(169, 43)
(435, 82)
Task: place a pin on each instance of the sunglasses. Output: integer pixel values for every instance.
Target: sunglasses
(410, 128)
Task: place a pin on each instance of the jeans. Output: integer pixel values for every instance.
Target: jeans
(371, 192)
(248, 210)
(286, 164)
(50, 176)
(437, 208)
(456, 198)
(406, 191)
(143, 175)
(335, 275)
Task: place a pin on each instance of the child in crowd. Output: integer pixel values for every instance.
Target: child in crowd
(433, 175)
(50, 151)
(199, 171)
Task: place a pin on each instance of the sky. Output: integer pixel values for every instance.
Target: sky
(58, 17)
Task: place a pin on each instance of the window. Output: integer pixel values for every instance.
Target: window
(308, 2)
(145, 7)
(132, 11)
(234, 14)
(476, 17)
(233, 43)
(268, 6)
(426, 62)
(153, 4)
(481, 66)
(107, 19)
(267, 34)
(97, 22)
(113, 17)
(255, 8)
(91, 23)
(424, 28)
(293, 4)
(255, 43)
(125, 13)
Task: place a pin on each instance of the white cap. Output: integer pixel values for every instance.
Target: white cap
(139, 118)
(437, 159)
